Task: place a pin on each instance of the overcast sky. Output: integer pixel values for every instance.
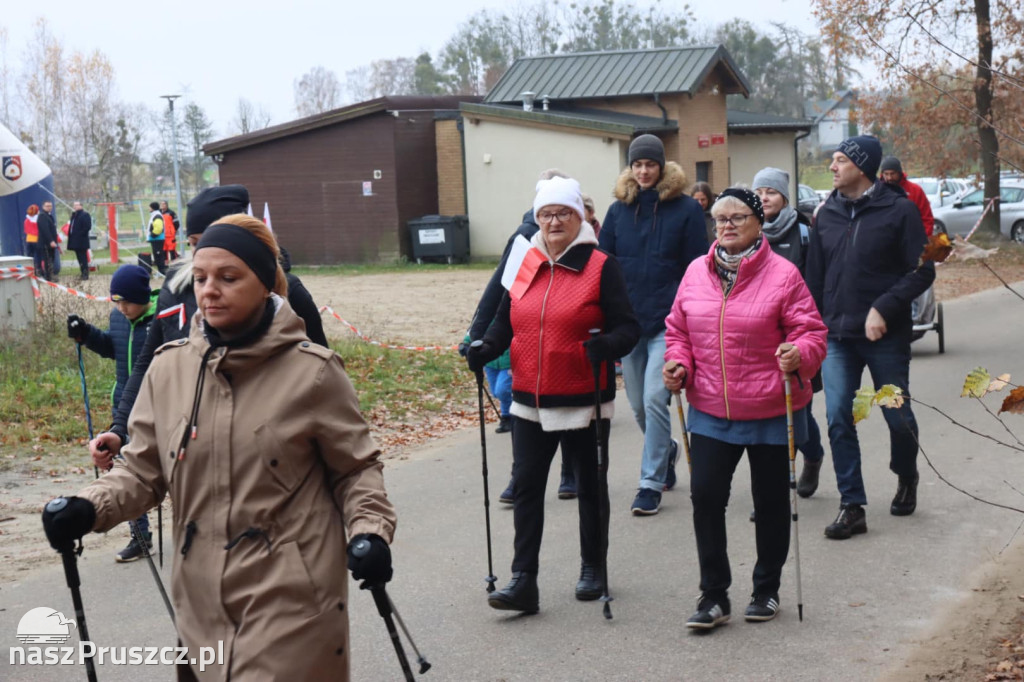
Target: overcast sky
(215, 51)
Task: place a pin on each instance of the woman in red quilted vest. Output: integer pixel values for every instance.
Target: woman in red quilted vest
(562, 288)
(735, 308)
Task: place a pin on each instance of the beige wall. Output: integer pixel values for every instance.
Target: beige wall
(751, 153)
(501, 190)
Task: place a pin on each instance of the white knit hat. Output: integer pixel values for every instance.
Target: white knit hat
(561, 192)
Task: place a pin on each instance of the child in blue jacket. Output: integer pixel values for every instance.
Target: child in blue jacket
(122, 342)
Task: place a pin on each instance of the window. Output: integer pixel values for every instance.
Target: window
(703, 171)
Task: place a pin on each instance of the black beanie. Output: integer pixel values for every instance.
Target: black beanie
(153, 206)
(891, 163)
(212, 204)
(865, 151)
(747, 197)
(647, 147)
(130, 283)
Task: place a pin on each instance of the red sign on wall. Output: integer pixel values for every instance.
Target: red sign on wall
(703, 141)
(718, 138)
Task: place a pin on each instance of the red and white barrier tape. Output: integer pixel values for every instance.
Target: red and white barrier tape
(980, 218)
(379, 343)
(19, 272)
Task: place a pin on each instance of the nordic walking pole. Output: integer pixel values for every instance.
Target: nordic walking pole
(670, 366)
(420, 658)
(383, 602)
(491, 578)
(85, 397)
(792, 483)
(160, 532)
(141, 540)
(603, 503)
(70, 560)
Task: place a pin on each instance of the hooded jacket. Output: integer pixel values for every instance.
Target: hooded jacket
(920, 199)
(280, 472)
(654, 233)
(123, 341)
(727, 343)
(173, 311)
(864, 254)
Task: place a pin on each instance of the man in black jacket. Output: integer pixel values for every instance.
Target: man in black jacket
(78, 236)
(47, 244)
(862, 269)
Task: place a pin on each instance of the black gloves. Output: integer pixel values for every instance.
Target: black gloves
(67, 519)
(369, 559)
(463, 348)
(479, 354)
(599, 349)
(78, 328)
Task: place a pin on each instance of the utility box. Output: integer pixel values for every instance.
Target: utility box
(440, 237)
(17, 305)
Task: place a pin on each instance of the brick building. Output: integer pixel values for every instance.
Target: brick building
(342, 185)
(579, 112)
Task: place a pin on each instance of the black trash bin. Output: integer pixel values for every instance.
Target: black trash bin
(440, 237)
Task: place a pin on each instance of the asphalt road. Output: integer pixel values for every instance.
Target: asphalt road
(865, 599)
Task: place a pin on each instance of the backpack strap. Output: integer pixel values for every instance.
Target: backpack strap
(805, 236)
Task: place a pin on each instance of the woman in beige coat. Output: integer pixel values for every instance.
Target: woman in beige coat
(255, 433)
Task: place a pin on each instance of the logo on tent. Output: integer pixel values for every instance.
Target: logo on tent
(12, 167)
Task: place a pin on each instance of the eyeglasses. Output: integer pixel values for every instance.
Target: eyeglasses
(563, 215)
(736, 220)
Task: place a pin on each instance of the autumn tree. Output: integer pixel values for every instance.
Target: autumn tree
(198, 131)
(249, 117)
(954, 61)
(317, 91)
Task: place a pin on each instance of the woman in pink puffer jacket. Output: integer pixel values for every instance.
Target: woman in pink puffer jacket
(733, 311)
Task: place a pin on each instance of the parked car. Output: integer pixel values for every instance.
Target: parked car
(962, 214)
(943, 191)
(807, 199)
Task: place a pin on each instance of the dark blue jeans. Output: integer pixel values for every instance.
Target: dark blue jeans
(888, 360)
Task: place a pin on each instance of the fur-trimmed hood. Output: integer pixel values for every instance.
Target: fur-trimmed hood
(672, 184)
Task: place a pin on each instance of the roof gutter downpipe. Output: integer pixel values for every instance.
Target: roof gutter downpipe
(796, 158)
(664, 114)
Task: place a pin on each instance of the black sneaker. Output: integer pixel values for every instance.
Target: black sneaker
(670, 478)
(709, 615)
(647, 502)
(508, 495)
(762, 607)
(519, 595)
(567, 487)
(808, 482)
(589, 586)
(504, 426)
(850, 521)
(134, 551)
(905, 501)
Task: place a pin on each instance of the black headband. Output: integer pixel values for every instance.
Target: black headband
(246, 246)
(752, 201)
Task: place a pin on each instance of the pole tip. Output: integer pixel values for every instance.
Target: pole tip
(800, 612)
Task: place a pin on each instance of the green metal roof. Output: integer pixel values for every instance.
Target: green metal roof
(619, 73)
(612, 122)
(748, 121)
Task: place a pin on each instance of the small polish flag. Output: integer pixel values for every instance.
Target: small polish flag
(178, 310)
(266, 216)
(249, 211)
(523, 262)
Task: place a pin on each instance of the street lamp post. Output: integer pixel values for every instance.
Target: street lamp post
(174, 140)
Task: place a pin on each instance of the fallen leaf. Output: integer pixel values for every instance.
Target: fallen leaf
(999, 383)
(976, 384)
(1014, 403)
(862, 404)
(855, 604)
(937, 249)
(890, 396)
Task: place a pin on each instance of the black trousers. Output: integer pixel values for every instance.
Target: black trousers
(533, 449)
(714, 463)
(158, 256)
(83, 262)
